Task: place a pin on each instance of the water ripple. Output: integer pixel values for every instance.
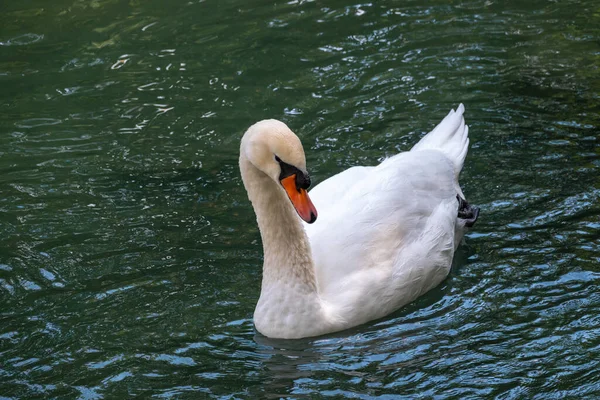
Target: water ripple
(23, 40)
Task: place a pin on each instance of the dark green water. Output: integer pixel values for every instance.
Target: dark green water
(130, 262)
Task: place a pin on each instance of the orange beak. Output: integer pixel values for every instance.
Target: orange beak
(299, 198)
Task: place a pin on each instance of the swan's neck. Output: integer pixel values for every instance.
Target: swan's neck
(289, 289)
(287, 254)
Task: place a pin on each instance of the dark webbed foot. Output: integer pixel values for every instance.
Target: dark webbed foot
(467, 212)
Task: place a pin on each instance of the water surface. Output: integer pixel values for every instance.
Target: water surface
(130, 262)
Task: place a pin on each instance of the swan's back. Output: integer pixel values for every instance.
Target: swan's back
(387, 234)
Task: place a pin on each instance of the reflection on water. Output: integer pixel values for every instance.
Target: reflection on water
(130, 259)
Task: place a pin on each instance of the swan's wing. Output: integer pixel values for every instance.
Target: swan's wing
(328, 193)
(387, 221)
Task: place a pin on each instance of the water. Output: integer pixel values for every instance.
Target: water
(130, 262)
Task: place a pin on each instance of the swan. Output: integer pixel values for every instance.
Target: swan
(385, 235)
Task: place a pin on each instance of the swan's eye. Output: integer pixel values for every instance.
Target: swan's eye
(277, 159)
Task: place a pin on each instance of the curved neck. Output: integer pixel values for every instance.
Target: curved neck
(287, 254)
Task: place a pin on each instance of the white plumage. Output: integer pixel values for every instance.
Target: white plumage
(385, 234)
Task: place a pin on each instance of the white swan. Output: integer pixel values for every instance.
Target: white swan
(385, 235)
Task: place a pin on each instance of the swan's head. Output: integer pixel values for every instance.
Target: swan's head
(275, 150)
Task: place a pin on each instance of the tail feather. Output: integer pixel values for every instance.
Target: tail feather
(451, 137)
